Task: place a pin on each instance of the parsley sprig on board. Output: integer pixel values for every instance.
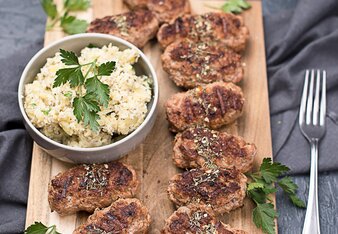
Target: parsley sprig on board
(85, 106)
(262, 186)
(39, 228)
(69, 24)
(233, 6)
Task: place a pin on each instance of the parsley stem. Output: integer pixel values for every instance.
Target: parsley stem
(86, 64)
(90, 68)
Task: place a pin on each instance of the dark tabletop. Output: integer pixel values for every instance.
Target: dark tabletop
(20, 41)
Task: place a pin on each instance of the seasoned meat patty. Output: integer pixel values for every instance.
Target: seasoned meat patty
(136, 3)
(124, 216)
(212, 105)
(190, 64)
(88, 187)
(195, 219)
(137, 27)
(222, 189)
(168, 10)
(222, 27)
(202, 147)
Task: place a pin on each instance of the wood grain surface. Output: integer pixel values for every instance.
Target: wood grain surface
(152, 159)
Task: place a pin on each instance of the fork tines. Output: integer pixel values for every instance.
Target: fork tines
(313, 104)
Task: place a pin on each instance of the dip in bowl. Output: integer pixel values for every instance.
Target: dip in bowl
(123, 121)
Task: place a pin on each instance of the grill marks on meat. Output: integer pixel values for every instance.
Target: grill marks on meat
(222, 189)
(212, 105)
(137, 27)
(168, 10)
(190, 64)
(195, 219)
(221, 27)
(88, 187)
(202, 147)
(124, 216)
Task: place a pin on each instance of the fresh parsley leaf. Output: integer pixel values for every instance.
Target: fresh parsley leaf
(257, 195)
(262, 186)
(235, 6)
(39, 228)
(296, 201)
(76, 5)
(270, 171)
(86, 108)
(49, 7)
(264, 217)
(72, 25)
(72, 74)
(101, 90)
(91, 120)
(255, 185)
(287, 185)
(106, 69)
(268, 189)
(290, 188)
(69, 57)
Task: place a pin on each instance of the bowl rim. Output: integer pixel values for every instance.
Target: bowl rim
(113, 39)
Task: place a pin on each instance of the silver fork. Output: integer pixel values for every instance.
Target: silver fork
(312, 124)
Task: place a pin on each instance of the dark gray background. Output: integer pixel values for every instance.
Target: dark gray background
(21, 36)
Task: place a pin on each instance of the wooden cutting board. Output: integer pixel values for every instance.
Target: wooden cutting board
(152, 159)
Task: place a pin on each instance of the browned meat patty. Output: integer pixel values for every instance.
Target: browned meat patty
(202, 147)
(195, 219)
(222, 189)
(124, 216)
(137, 27)
(168, 10)
(88, 187)
(222, 27)
(212, 105)
(190, 64)
(136, 3)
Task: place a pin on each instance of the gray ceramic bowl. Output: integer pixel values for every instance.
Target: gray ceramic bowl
(98, 154)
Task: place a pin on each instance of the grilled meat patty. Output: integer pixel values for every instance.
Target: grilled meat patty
(212, 105)
(202, 147)
(137, 26)
(87, 187)
(222, 189)
(124, 216)
(168, 10)
(223, 27)
(190, 64)
(195, 219)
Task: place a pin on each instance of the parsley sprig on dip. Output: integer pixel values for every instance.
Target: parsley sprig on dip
(86, 105)
(262, 186)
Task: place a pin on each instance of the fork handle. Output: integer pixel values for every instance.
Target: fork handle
(311, 223)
